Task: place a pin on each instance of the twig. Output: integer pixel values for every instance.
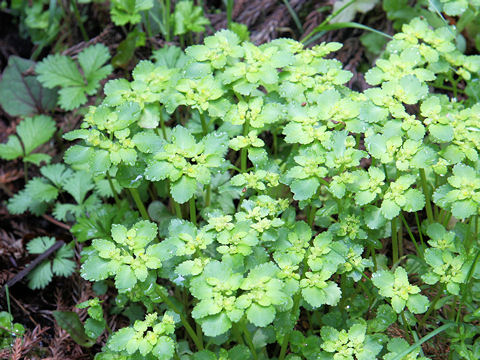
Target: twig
(19, 304)
(33, 264)
(56, 222)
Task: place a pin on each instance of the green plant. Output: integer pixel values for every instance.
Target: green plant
(9, 330)
(31, 134)
(128, 11)
(61, 71)
(61, 264)
(188, 18)
(256, 194)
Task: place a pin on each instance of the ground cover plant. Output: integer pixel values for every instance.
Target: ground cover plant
(243, 201)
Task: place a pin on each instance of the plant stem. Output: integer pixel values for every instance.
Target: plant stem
(162, 125)
(178, 209)
(311, 215)
(327, 20)
(139, 203)
(467, 281)
(417, 344)
(419, 228)
(374, 257)
(79, 20)
(198, 342)
(115, 195)
(426, 192)
(208, 195)
(419, 252)
(249, 341)
(243, 151)
(229, 12)
(394, 240)
(275, 143)
(400, 239)
(204, 123)
(193, 211)
(286, 337)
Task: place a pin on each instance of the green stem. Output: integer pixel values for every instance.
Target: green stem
(166, 19)
(79, 20)
(467, 281)
(115, 195)
(204, 123)
(419, 228)
(249, 341)
(229, 12)
(374, 257)
(327, 20)
(193, 211)
(426, 192)
(243, 153)
(208, 195)
(237, 334)
(311, 215)
(178, 209)
(405, 324)
(198, 342)
(417, 344)
(394, 240)
(275, 143)
(139, 203)
(286, 337)
(400, 239)
(199, 332)
(162, 125)
(409, 231)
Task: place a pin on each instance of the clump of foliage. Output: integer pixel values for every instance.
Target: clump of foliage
(61, 71)
(61, 264)
(254, 194)
(31, 133)
(9, 330)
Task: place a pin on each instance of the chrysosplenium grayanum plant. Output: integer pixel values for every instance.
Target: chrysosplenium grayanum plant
(281, 207)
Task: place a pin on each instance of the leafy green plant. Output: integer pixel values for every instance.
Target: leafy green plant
(61, 71)
(31, 134)
(256, 194)
(61, 264)
(188, 18)
(128, 11)
(9, 330)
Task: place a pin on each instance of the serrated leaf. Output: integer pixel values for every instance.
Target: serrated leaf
(58, 70)
(78, 185)
(91, 60)
(35, 131)
(40, 190)
(71, 97)
(22, 202)
(41, 276)
(40, 244)
(12, 149)
(37, 159)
